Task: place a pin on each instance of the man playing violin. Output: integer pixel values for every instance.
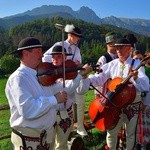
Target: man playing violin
(33, 106)
(123, 67)
(64, 119)
(74, 35)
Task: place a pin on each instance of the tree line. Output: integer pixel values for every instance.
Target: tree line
(92, 45)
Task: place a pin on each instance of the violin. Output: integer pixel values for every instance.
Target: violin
(48, 73)
(120, 94)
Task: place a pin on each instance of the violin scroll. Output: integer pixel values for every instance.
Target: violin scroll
(146, 59)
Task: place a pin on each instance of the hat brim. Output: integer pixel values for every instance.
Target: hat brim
(55, 53)
(78, 35)
(120, 45)
(44, 48)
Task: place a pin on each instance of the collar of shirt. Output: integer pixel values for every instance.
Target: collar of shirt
(28, 69)
(70, 45)
(114, 56)
(128, 60)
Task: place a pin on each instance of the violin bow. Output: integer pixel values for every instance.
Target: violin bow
(142, 63)
(103, 95)
(61, 27)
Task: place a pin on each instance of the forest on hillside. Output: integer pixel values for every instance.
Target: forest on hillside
(92, 46)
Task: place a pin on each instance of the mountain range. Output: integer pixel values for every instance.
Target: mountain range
(140, 26)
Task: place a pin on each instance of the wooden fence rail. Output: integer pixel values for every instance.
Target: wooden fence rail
(4, 107)
(5, 137)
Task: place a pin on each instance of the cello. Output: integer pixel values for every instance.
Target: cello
(106, 117)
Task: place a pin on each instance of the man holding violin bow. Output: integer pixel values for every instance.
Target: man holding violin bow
(32, 105)
(131, 76)
(64, 120)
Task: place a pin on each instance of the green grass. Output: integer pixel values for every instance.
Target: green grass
(4, 122)
(5, 144)
(3, 99)
(5, 129)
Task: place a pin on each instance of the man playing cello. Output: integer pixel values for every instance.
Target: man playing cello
(122, 67)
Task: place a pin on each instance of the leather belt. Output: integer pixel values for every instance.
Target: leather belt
(27, 138)
(39, 140)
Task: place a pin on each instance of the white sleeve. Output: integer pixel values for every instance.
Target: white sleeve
(101, 61)
(46, 56)
(142, 82)
(20, 92)
(83, 86)
(71, 85)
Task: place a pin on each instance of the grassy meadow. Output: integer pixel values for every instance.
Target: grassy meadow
(4, 118)
(5, 129)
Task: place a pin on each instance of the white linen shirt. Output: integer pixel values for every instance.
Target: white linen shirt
(31, 104)
(75, 51)
(112, 70)
(102, 60)
(70, 88)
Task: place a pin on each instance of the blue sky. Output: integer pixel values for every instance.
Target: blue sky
(103, 8)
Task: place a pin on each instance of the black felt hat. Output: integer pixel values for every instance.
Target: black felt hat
(57, 49)
(28, 43)
(73, 30)
(121, 42)
(131, 38)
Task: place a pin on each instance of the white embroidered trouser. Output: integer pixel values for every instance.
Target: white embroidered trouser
(27, 138)
(80, 114)
(130, 132)
(62, 135)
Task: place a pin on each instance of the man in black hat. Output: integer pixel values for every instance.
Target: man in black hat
(123, 67)
(64, 124)
(32, 106)
(71, 46)
(110, 39)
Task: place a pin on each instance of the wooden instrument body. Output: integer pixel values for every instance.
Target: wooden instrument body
(106, 116)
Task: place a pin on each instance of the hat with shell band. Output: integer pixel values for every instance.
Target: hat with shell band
(121, 42)
(28, 43)
(110, 37)
(73, 30)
